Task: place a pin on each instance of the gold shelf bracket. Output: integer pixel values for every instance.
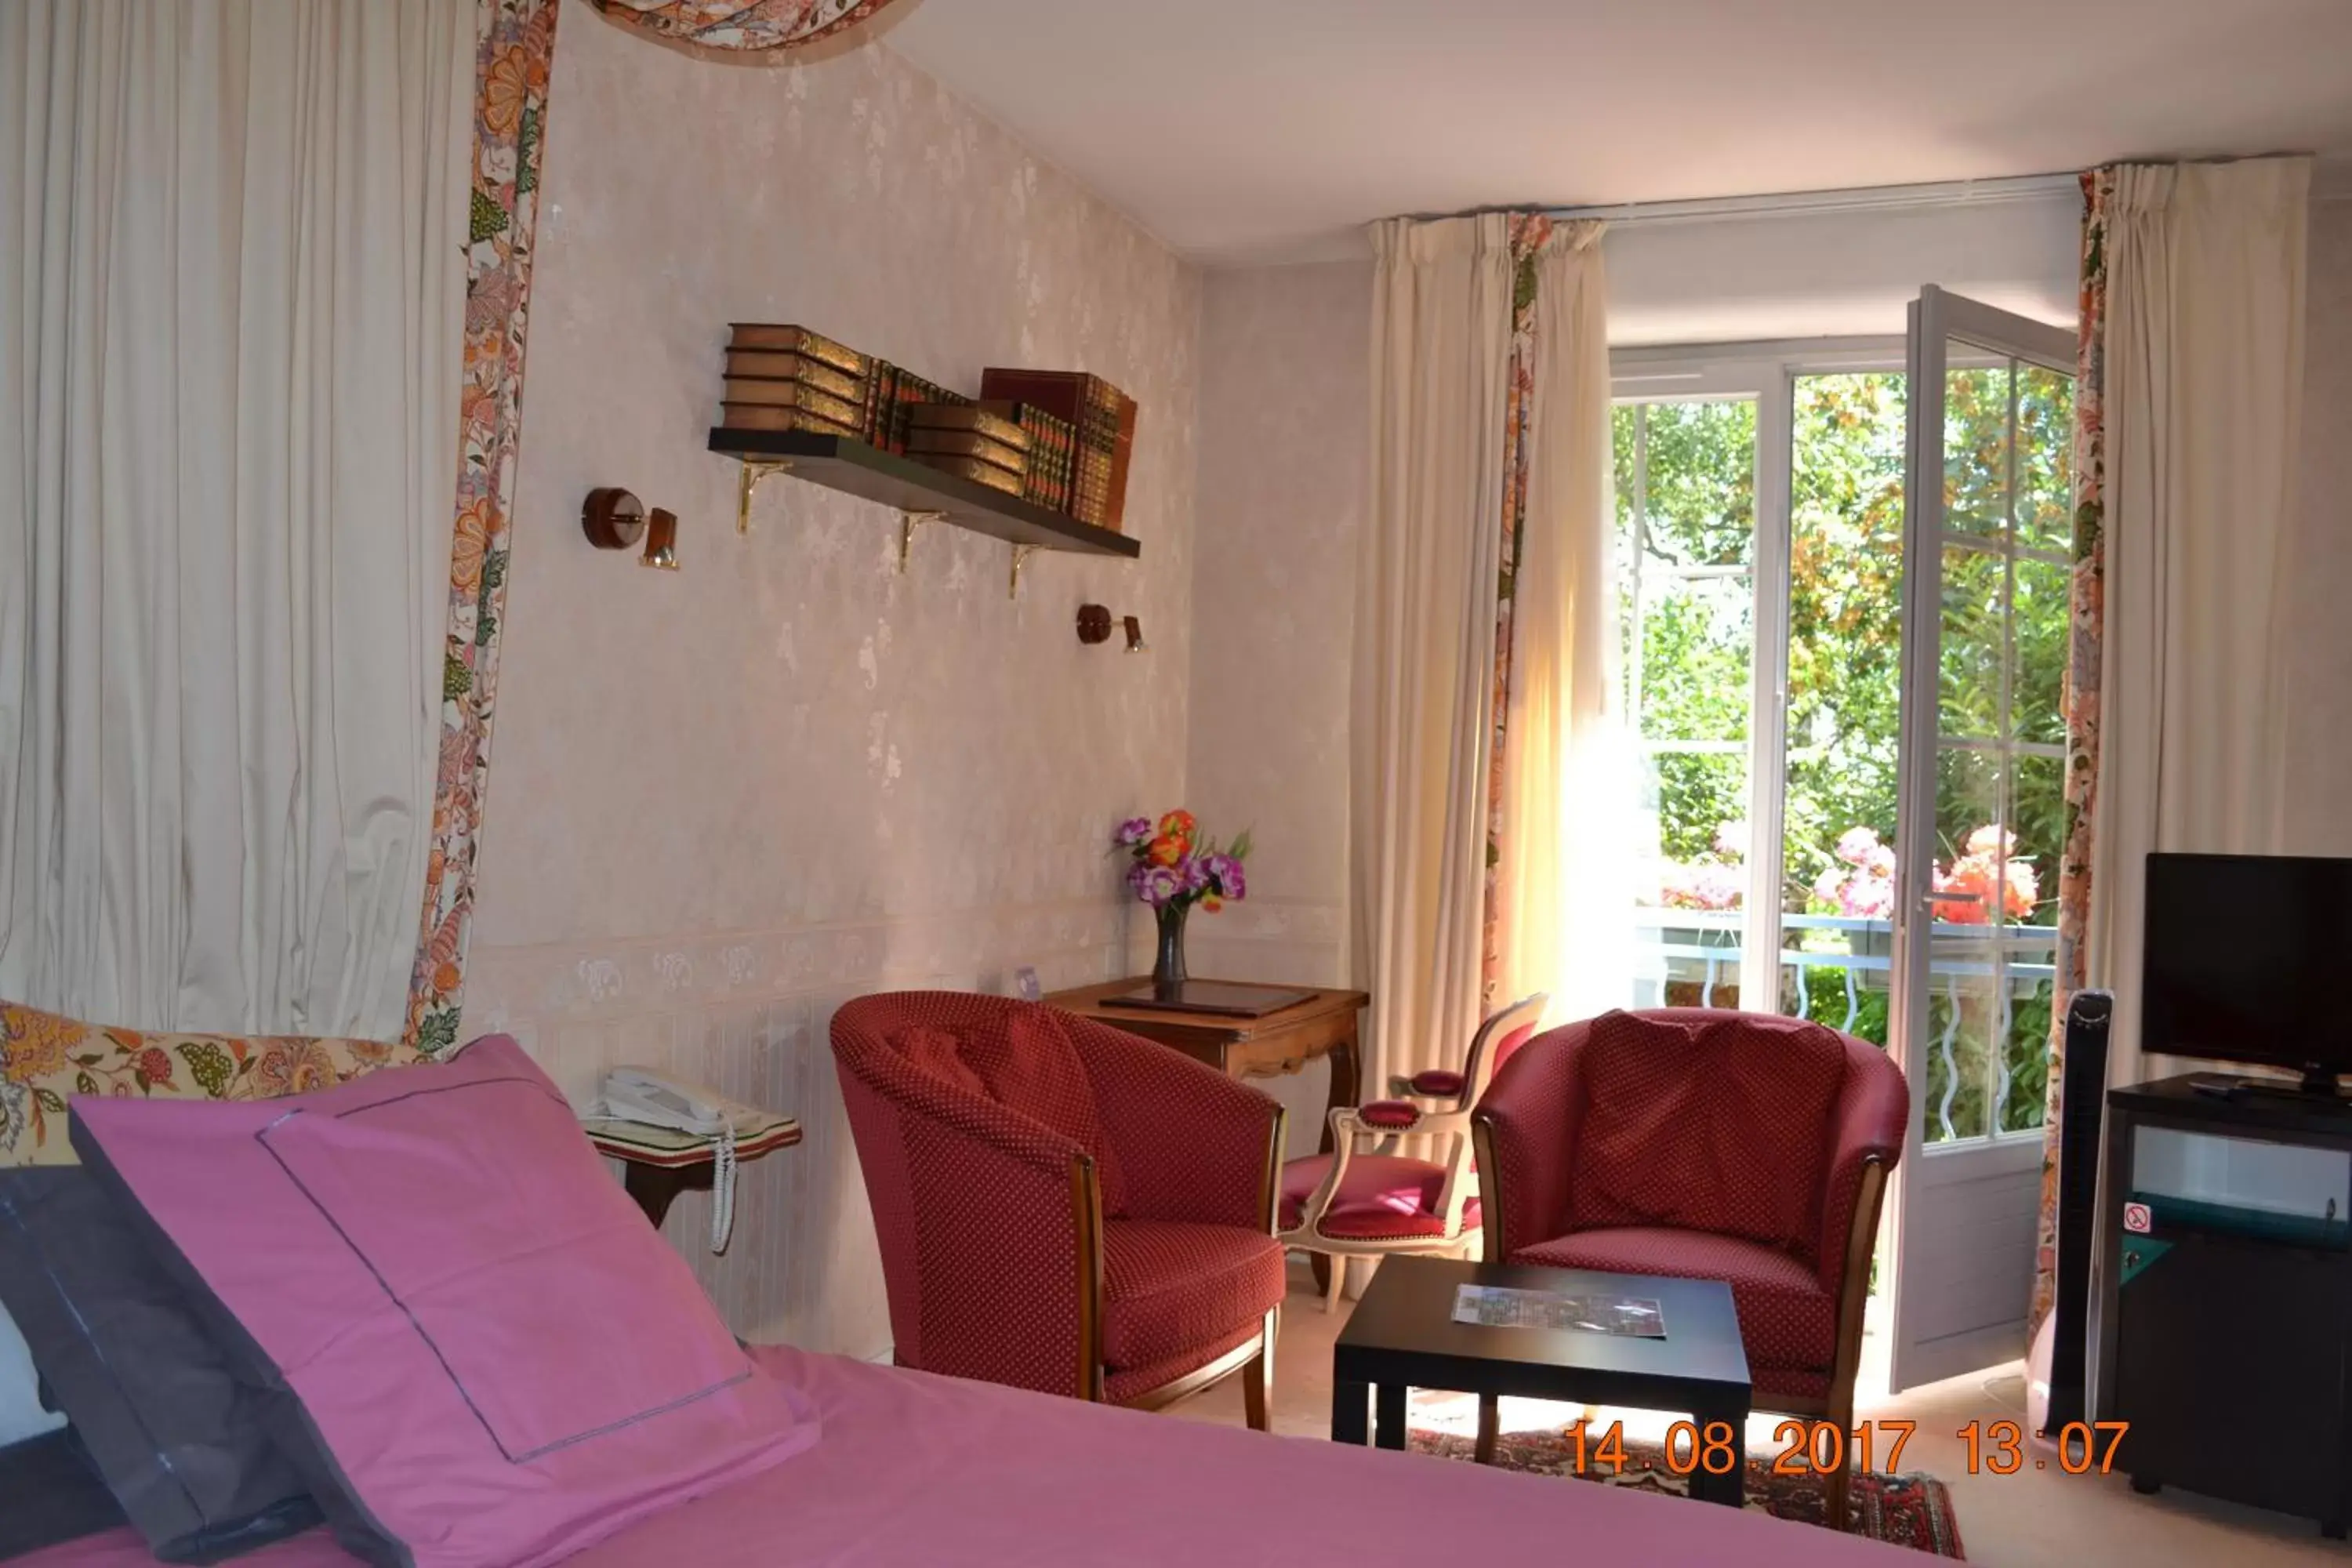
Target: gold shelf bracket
(907, 523)
(754, 471)
(1021, 553)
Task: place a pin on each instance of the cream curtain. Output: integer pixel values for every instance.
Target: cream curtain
(231, 303)
(1424, 639)
(2204, 390)
(1563, 882)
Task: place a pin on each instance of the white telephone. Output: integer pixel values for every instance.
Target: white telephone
(633, 1094)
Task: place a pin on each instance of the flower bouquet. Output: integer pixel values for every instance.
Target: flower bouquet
(1174, 868)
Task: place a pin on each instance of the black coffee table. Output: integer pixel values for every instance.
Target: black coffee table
(1402, 1335)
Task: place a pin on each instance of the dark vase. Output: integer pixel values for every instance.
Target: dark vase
(1167, 972)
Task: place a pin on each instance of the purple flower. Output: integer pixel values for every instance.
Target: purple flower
(1193, 872)
(1227, 871)
(1134, 831)
(1158, 886)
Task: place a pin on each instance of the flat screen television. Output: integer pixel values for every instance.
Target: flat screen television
(2246, 960)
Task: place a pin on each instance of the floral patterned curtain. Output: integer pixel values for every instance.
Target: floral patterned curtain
(749, 25)
(2088, 619)
(515, 46)
(1529, 233)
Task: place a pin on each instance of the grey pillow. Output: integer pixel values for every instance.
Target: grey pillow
(170, 1426)
(52, 1494)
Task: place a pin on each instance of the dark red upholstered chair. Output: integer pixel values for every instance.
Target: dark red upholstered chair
(1062, 1206)
(1347, 1203)
(1707, 1145)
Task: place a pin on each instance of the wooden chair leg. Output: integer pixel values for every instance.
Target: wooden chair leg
(1258, 1377)
(1337, 1280)
(1490, 1428)
(1836, 1488)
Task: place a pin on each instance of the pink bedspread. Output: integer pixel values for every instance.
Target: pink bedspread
(914, 1470)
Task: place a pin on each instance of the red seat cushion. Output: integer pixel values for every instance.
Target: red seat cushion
(1171, 1287)
(1787, 1320)
(1722, 1126)
(1385, 1195)
(1438, 1083)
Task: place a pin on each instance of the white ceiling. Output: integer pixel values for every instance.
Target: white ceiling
(1268, 130)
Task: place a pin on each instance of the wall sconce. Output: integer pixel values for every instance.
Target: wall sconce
(613, 519)
(1095, 624)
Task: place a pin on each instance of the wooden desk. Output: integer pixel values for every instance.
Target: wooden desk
(1322, 1025)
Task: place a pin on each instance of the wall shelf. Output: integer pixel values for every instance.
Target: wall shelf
(915, 489)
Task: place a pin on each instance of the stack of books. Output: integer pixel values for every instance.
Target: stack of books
(972, 444)
(1053, 452)
(1104, 419)
(789, 378)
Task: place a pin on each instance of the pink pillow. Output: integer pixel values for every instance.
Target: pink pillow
(1721, 1126)
(473, 1345)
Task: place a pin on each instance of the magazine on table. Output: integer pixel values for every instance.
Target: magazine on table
(1501, 1306)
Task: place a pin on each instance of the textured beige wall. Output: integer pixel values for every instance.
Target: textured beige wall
(1285, 390)
(725, 799)
(2319, 634)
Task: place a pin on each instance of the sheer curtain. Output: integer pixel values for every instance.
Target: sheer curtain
(1424, 648)
(1563, 873)
(230, 318)
(2203, 352)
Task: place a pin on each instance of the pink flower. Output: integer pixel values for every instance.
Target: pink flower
(1856, 844)
(1135, 830)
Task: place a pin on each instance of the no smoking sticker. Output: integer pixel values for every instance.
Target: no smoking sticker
(2137, 1220)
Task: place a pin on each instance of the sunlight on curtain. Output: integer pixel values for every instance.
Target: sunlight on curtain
(1424, 654)
(230, 322)
(1564, 876)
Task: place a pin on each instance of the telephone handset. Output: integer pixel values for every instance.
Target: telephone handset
(633, 1094)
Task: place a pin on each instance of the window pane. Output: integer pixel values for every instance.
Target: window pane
(1701, 483)
(1845, 587)
(2045, 460)
(1975, 591)
(1976, 444)
(1693, 929)
(1699, 645)
(2043, 637)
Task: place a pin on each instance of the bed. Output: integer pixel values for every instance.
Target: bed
(915, 1468)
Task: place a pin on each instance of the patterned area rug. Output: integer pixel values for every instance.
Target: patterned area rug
(1914, 1510)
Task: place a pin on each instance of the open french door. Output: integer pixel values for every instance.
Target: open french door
(1987, 521)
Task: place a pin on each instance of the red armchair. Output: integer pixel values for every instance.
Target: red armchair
(1062, 1206)
(1711, 1145)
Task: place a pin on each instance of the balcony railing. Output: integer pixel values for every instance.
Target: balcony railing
(1989, 1010)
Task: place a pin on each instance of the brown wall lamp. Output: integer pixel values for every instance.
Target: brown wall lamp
(613, 519)
(1095, 624)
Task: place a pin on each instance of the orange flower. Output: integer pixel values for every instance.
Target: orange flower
(446, 978)
(1164, 851)
(1210, 903)
(294, 1066)
(503, 90)
(467, 550)
(33, 1043)
(1179, 825)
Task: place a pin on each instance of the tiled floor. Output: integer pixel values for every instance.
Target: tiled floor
(2014, 1521)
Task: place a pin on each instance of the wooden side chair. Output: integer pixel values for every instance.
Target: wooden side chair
(1371, 1203)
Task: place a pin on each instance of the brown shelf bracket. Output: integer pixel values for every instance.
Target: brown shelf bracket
(907, 523)
(754, 471)
(1021, 553)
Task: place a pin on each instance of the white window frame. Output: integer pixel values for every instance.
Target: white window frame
(1766, 373)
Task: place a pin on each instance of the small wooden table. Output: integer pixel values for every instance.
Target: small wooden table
(663, 1162)
(1402, 1335)
(1282, 1042)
